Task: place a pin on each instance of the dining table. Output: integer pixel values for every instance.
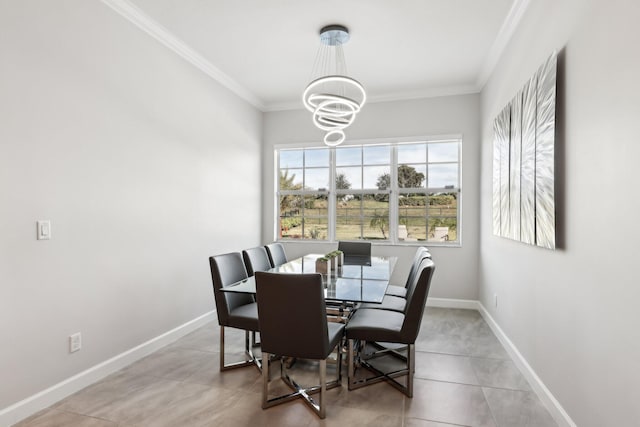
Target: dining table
(358, 279)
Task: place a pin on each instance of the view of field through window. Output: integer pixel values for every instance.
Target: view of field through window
(391, 192)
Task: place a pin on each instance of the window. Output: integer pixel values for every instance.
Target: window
(394, 192)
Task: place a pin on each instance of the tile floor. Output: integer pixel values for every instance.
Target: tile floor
(463, 375)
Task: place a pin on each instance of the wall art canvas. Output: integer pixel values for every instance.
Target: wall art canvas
(523, 162)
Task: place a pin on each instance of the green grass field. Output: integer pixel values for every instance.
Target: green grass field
(354, 218)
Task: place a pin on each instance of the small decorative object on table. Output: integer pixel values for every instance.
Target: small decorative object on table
(323, 265)
(339, 257)
(333, 261)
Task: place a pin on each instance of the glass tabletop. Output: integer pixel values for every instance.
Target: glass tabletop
(362, 279)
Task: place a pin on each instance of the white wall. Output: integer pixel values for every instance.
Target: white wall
(456, 267)
(135, 156)
(573, 312)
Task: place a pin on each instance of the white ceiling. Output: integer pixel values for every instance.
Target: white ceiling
(264, 50)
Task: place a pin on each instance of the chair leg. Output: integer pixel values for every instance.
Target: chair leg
(389, 377)
(250, 358)
(350, 367)
(411, 356)
(322, 412)
(318, 407)
(265, 380)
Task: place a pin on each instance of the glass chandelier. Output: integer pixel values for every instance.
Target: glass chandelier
(332, 96)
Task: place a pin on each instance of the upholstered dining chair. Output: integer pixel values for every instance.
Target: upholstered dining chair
(234, 310)
(395, 302)
(401, 291)
(293, 323)
(256, 259)
(276, 253)
(386, 326)
(360, 249)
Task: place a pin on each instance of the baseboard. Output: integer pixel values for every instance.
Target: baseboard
(29, 406)
(548, 400)
(453, 303)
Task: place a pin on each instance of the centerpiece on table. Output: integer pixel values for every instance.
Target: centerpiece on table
(339, 256)
(323, 265)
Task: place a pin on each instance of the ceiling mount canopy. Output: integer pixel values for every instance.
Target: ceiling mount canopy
(332, 96)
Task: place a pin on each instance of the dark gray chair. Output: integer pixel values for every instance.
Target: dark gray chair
(276, 253)
(396, 303)
(401, 291)
(356, 253)
(386, 326)
(234, 310)
(293, 323)
(256, 259)
(362, 249)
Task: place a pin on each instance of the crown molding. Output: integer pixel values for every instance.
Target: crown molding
(507, 29)
(434, 92)
(141, 20)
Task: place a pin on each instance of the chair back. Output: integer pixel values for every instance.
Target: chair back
(421, 254)
(277, 255)
(293, 316)
(362, 249)
(256, 259)
(417, 295)
(225, 270)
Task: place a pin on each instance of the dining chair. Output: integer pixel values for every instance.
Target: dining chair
(369, 326)
(256, 259)
(277, 255)
(234, 310)
(362, 249)
(396, 303)
(401, 291)
(293, 324)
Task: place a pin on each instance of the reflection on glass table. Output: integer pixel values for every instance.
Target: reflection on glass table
(364, 281)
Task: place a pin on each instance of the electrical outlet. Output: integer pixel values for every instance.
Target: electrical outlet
(75, 342)
(495, 300)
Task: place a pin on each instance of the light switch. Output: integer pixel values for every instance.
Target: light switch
(44, 230)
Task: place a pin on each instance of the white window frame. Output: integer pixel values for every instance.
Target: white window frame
(394, 191)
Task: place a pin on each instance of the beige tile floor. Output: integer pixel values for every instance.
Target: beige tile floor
(463, 375)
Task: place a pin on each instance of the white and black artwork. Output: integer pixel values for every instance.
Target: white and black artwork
(523, 162)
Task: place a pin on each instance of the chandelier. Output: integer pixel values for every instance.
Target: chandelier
(332, 96)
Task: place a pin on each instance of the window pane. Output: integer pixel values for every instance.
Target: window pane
(348, 217)
(443, 229)
(443, 175)
(316, 217)
(290, 205)
(412, 217)
(290, 159)
(375, 210)
(443, 204)
(291, 179)
(316, 228)
(316, 179)
(291, 227)
(342, 182)
(348, 156)
(443, 217)
(352, 176)
(412, 176)
(377, 155)
(412, 153)
(318, 157)
(316, 206)
(443, 152)
(291, 216)
(375, 177)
